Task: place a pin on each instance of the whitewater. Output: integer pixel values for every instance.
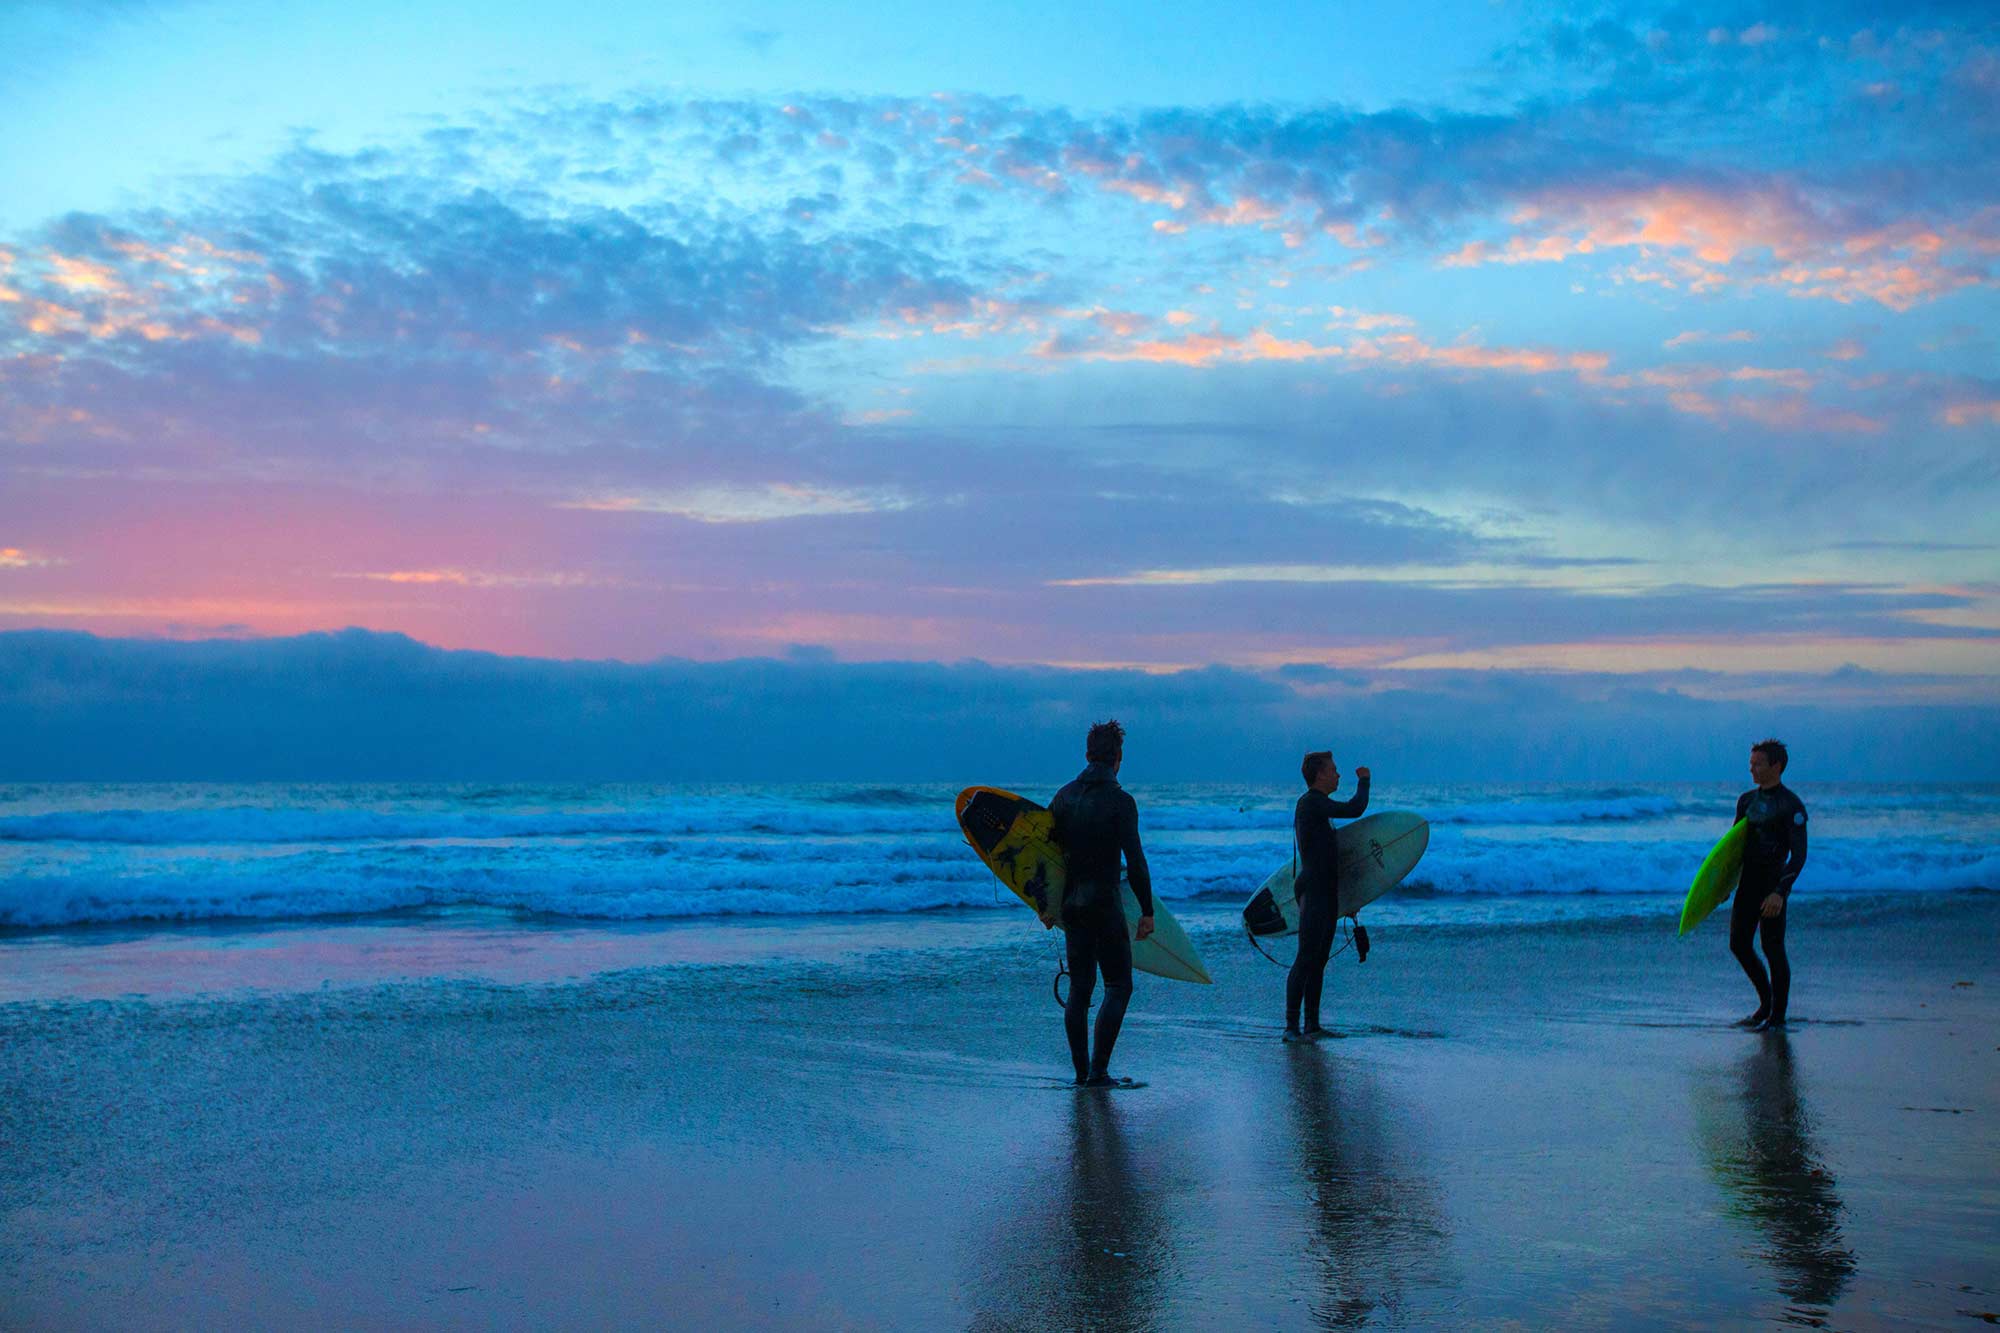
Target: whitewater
(72, 854)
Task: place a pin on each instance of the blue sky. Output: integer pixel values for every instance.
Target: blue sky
(1581, 342)
(113, 102)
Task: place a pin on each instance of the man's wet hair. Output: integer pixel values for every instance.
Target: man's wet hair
(1310, 766)
(1774, 752)
(1106, 742)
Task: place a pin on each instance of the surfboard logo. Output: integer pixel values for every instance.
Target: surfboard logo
(1375, 851)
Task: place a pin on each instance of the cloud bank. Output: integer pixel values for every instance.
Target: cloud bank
(364, 706)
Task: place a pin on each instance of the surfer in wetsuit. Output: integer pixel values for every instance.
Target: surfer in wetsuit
(1774, 851)
(1318, 887)
(1097, 821)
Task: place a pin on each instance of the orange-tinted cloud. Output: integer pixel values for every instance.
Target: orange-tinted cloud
(1759, 235)
(157, 293)
(1408, 349)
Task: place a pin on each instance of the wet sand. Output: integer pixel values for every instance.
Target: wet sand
(806, 1126)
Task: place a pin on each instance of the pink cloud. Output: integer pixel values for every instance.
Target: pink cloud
(1794, 413)
(1985, 413)
(1367, 321)
(1693, 336)
(1147, 193)
(1197, 349)
(1243, 212)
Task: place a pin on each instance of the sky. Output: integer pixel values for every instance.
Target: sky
(1600, 348)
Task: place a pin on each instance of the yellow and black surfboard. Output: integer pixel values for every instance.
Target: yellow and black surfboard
(1014, 837)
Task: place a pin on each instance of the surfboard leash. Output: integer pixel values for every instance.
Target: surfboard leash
(1260, 949)
(1347, 938)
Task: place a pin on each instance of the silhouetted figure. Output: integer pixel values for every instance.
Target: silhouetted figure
(1097, 825)
(1318, 887)
(1774, 852)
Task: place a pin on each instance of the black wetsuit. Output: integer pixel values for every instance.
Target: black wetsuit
(1097, 822)
(1318, 890)
(1774, 851)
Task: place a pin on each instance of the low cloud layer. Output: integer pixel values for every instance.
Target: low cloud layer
(364, 706)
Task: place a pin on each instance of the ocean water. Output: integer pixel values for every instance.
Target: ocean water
(72, 854)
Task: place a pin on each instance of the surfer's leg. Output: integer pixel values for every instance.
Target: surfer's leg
(1316, 922)
(1771, 930)
(1295, 980)
(1082, 951)
(1742, 935)
(1114, 957)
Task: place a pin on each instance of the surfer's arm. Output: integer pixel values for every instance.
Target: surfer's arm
(1350, 809)
(1135, 856)
(1795, 852)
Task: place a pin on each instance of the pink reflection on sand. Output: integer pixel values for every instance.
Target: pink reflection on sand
(289, 957)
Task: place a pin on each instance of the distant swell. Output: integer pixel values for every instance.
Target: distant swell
(876, 811)
(1586, 810)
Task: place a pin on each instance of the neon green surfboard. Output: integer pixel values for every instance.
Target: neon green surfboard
(1716, 879)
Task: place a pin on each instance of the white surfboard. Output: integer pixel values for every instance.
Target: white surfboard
(1376, 852)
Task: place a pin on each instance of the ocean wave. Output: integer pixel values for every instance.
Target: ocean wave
(641, 878)
(891, 796)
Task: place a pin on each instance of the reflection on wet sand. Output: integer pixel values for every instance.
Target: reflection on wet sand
(1775, 1181)
(1090, 1253)
(1377, 1228)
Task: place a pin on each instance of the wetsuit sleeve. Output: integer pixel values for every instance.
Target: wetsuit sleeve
(1135, 856)
(1349, 809)
(1741, 802)
(1795, 852)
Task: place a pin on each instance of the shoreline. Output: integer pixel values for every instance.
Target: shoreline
(223, 956)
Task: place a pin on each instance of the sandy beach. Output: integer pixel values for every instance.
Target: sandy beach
(846, 1125)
